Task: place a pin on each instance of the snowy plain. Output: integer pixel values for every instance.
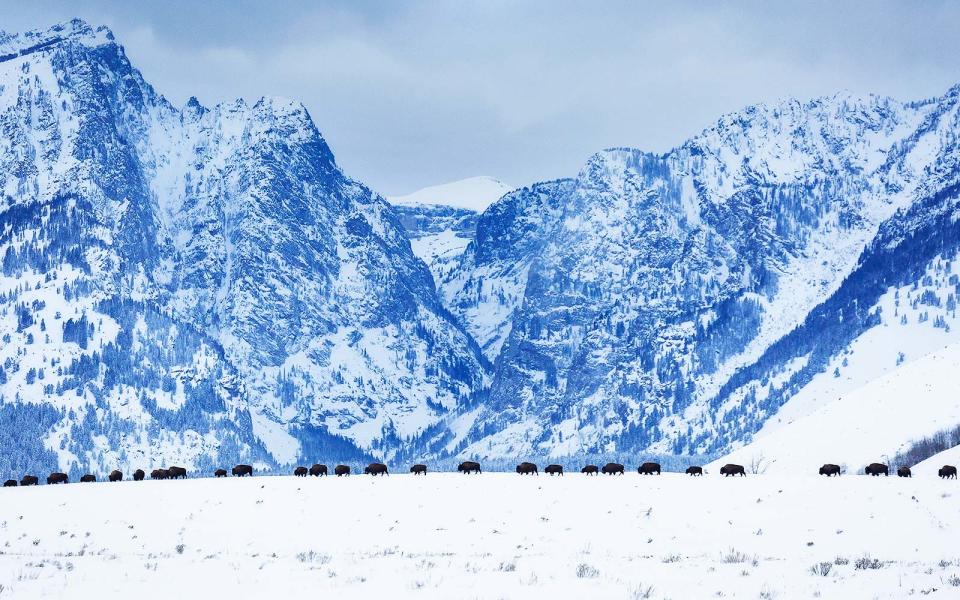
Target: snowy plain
(495, 535)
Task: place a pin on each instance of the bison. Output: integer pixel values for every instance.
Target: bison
(10, 483)
(468, 467)
(54, 478)
(904, 472)
(612, 469)
(341, 470)
(115, 476)
(376, 469)
(220, 473)
(649, 468)
(729, 470)
(88, 478)
(554, 470)
(156, 474)
(29, 480)
(527, 468)
(241, 470)
(830, 470)
(590, 470)
(875, 469)
(300, 472)
(138, 475)
(419, 469)
(947, 472)
(318, 470)
(698, 471)
(177, 473)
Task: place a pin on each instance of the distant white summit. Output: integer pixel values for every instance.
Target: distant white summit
(473, 193)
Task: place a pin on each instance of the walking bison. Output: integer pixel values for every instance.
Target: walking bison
(590, 470)
(54, 478)
(318, 470)
(220, 473)
(877, 469)
(419, 469)
(649, 468)
(613, 469)
(341, 470)
(904, 472)
(300, 472)
(947, 472)
(138, 475)
(468, 467)
(527, 468)
(88, 478)
(157, 474)
(10, 483)
(698, 471)
(554, 470)
(729, 470)
(29, 480)
(241, 470)
(115, 476)
(376, 469)
(177, 473)
(830, 470)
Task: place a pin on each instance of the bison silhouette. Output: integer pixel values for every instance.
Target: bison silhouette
(730, 470)
(419, 469)
(241, 470)
(947, 472)
(177, 473)
(300, 472)
(341, 470)
(904, 472)
(877, 469)
(318, 470)
(157, 474)
(138, 475)
(10, 483)
(698, 471)
(527, 468)
(54, 478)
(115, 476)
(649, 468)
(590, 470)
(220, 473)
(376, 469)
(830, 470)
(613, 469)
(554, 470)
(468, 467)
(29, 480)
(88, 478)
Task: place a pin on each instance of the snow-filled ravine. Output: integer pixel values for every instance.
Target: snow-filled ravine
(494, 535)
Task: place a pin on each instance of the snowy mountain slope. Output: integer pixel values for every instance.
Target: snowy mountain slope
(932, 465)
(474, 194)
(200, 278)
(575, 536)
(868, 424)
(669, 277)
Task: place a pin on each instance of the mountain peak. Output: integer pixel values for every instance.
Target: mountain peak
(78, 30)
(474, 194)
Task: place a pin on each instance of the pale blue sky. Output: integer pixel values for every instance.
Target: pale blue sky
(413, 94)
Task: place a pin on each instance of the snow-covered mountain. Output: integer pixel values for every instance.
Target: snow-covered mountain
(198, 284)
(440, 220)
(675, 302)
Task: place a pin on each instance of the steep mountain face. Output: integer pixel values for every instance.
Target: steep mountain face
(199, 285)
(649, 303)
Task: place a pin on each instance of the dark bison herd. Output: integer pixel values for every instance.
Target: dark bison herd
(524, 468)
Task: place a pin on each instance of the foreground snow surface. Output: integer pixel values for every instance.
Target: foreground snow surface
(494, 535)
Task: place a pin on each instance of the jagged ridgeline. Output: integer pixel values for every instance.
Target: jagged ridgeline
(203, 285)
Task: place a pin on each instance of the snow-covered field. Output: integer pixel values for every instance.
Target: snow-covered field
(494, 535)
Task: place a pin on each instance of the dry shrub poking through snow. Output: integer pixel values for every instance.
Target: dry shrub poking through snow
(841, 560)
(671, 558)
(641, 593)
(954, 581)
(822, 569)
(735, 557)
(865, 562)
(508, 567)
(585, 571)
